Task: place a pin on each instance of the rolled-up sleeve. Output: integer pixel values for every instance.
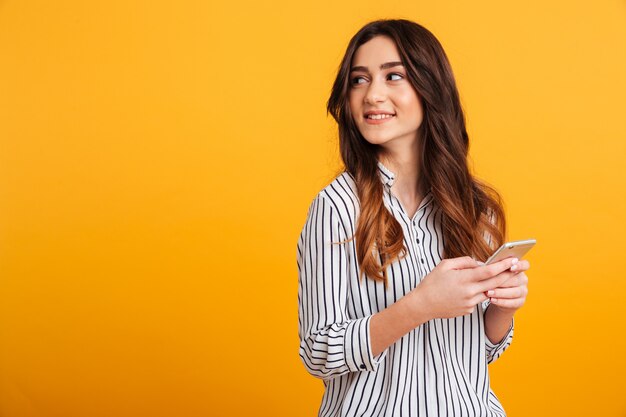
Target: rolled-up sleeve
(494, 351)
(331, 344)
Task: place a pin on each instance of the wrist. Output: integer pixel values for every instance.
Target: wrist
(417, 306)
(502, 311)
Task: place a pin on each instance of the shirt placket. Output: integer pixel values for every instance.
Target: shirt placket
(418, 241)
(395, 203)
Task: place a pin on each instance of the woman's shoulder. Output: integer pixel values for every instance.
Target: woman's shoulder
(341, 187)
(341, 196)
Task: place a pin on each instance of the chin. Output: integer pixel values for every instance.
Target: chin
(376, 140)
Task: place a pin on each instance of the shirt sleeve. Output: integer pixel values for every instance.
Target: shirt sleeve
(331, 344)
(494, 351)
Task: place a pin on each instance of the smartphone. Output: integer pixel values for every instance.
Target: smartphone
(515, 249)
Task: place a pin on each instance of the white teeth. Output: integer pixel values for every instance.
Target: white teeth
(379, 116)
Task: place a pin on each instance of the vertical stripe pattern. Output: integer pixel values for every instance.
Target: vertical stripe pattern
(437, 369)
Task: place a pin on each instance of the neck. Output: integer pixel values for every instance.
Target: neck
(405, 164)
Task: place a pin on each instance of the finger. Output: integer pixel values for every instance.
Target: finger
(479, 298)
(461, 263)
(484, 272)
(512, 304)
(495, 282)
(508, 293)
(522, 265)
(517, 280)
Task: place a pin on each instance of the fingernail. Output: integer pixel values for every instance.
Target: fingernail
(490, 293)
(515, 260)
(514, 267)
(494, 300)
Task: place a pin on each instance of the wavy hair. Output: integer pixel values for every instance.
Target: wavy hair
(473, 219)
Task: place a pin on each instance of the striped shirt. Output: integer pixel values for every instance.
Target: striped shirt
(437, 369)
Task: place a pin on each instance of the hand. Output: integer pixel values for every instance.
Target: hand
(511, 295)
(457, 285)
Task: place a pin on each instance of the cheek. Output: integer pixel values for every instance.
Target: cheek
(354, 105)
(412, 106)
(352, 99)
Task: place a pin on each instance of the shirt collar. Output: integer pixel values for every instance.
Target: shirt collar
(386, 175)
(389, 177)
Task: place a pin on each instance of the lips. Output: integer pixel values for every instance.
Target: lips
(379, 116)
(379, 119)
(373, 115)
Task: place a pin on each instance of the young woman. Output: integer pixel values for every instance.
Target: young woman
(397, 314)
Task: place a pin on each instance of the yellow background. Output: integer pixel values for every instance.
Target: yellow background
(157, 160)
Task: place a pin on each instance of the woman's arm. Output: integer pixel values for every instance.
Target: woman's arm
(452, 289)
(504, 302)
(331, 342)
(395, 321)
(497, 323)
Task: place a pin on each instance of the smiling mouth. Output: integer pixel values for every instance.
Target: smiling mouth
(379, 116)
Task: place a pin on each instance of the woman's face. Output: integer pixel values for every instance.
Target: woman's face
(384, 105)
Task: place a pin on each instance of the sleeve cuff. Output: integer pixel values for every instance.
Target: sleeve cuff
(506, 339)
(357, 346)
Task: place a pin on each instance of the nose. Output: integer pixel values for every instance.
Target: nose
(376, 93)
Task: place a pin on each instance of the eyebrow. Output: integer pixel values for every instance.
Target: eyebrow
(382, 67)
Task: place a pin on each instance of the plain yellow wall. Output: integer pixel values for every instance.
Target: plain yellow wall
(157, 160)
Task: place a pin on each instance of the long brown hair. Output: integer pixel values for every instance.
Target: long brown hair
(471, 208)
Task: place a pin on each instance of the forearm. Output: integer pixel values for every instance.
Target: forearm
(497, 323)
(390, 324)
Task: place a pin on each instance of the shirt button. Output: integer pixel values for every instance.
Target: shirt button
(362, 366)
(418, 241)
(422, 260)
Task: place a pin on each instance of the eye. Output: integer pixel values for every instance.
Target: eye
(399, 76)
(356, 80)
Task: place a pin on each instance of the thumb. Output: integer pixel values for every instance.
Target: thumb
(462, 262)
